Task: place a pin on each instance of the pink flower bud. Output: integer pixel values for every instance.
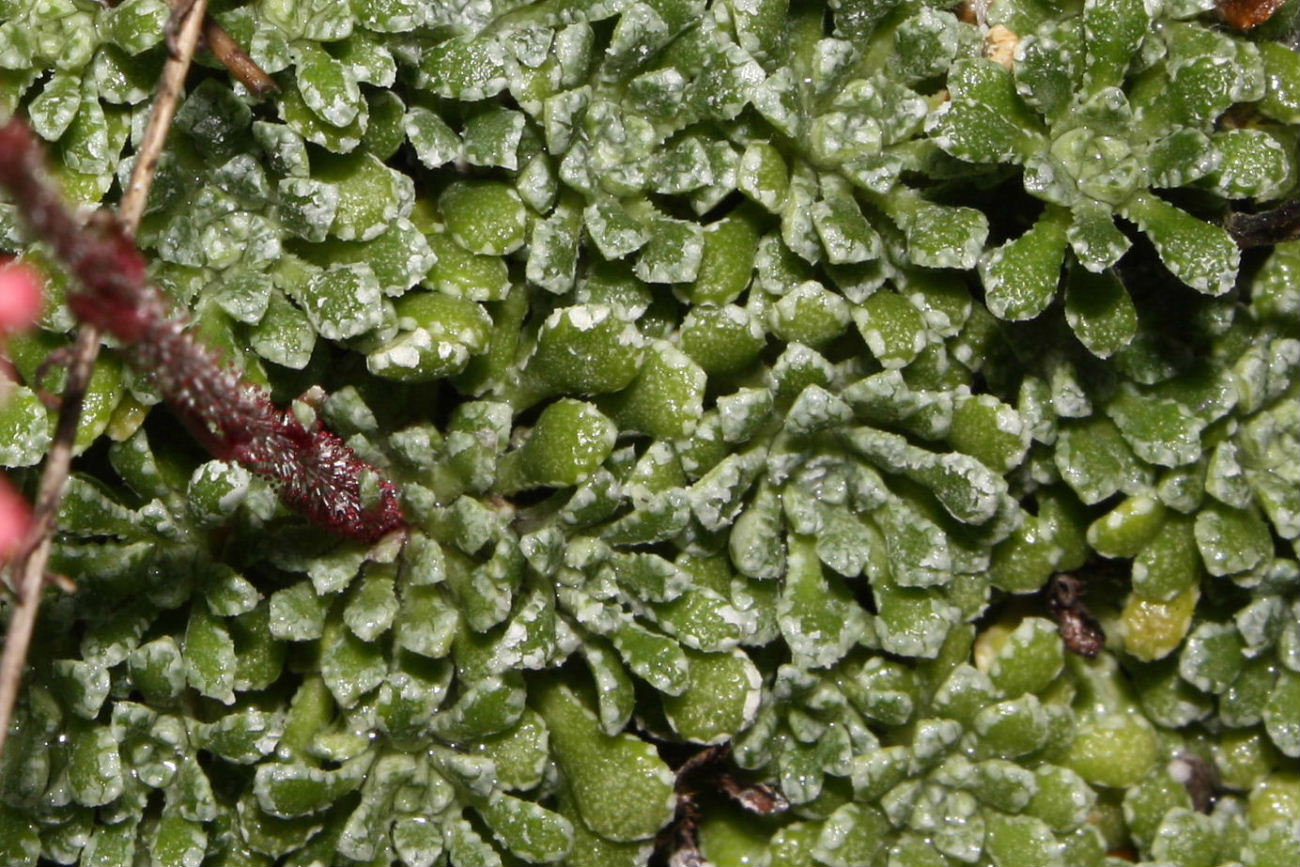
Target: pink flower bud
(15, 519)
(20, 295)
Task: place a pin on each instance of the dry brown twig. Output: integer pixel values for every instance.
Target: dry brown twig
(30, 563)
(229, 52)
(233, 56)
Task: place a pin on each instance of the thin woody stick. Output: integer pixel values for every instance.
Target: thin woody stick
(233, 56)
(241, 66)
(160, 121)
(29, 565)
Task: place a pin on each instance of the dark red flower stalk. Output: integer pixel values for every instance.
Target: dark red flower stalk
(316, 472)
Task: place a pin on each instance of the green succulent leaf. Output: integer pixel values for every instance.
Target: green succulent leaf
(816, 612)
(1113, 31)
(1021, 276)
(1255, 164)
(606, 774)
(1100, 311)
(1095, 239)
(1282, 100)
(1201, 255)
(985, 121)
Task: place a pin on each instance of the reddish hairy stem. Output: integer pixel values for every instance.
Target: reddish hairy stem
(316, 472)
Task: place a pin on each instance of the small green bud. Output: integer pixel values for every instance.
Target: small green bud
(569, 442)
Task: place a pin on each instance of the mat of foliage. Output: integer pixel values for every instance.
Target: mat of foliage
(748, 368)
